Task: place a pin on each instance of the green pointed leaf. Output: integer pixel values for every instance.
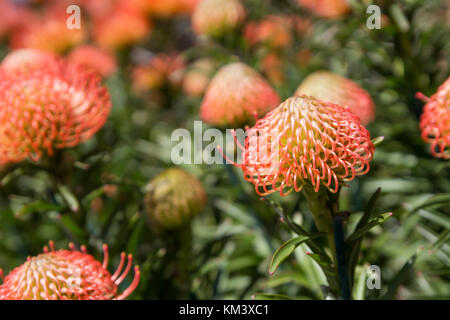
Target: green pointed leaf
(439, 199)
(38, 206)
(69, 198)
(443, 238)
(436, 217)
(375, 222)
(285, 251)
(399, 278)
(326, 267)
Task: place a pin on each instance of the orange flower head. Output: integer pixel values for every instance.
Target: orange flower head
(435, 121)
(330, 87)
(161, 69)
(198, 76)
(120, 28)
(273, 31)
(100, 60)
(67, 275)
(217, 17)
(48, 32)
(305, 141)
(25, 60)
(272, 66)
(57, 106)
(327, 8)
(236, 95)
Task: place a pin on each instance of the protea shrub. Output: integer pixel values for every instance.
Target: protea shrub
(236, 95)
(46, 107)
(330, 87)
(173, 199)
(68, 275)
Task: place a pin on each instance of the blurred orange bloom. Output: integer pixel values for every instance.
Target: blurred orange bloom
(330, 87)
(161, 69)
(102, 61)
(435, 122)
(236, 95)
(217, 17)
(327, 8)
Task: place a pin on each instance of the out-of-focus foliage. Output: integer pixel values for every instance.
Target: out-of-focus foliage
(94, 193)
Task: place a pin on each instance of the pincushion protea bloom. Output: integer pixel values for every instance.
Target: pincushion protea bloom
(120, 28)
(161, 69)
(67, 275)
(330, 87)
(327, 8)
(435, 121)
(237, 94)
(27, 60)
(98, 59)
(305, 141)
(173, 198)
(52, 107)
(217, 17)
(48, 32)
(198, 76)
(273, 31)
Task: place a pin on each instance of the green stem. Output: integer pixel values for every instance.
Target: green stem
(324, 206)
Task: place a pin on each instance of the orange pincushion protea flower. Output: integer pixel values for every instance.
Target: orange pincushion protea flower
(435, 121)
(48, 32)
(237, 94)
(27, 60)
(217, 17)
(67, 275)
(120, 28)
(328, 86)
(159, 70)
(198, 76)
(305, 142)
(274, 31)
(327, 8)
(52, 107)
(98, 59)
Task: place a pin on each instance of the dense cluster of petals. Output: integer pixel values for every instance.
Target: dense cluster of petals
(217, 17)
(237, 94)
(50, 106)
(435, 122)
(68, 275)
(305, 141)
(330, 87)
(173, 198)
(327, 8)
